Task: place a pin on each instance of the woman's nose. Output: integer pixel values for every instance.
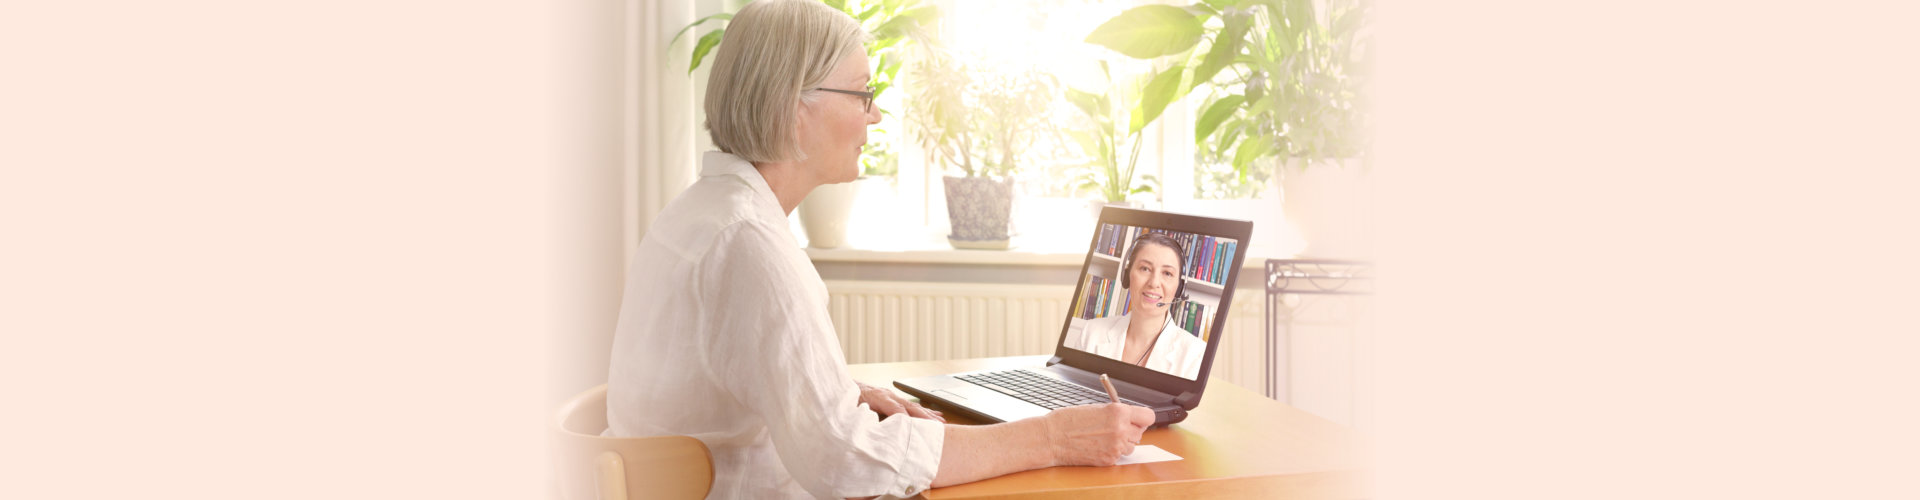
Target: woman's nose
(873, 114)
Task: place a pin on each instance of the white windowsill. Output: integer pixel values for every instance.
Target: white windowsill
(1023, 252)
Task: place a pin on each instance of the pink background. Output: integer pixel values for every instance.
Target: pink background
(1626, 250)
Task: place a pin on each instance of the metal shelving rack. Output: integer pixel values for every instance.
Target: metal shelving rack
(1286, 277)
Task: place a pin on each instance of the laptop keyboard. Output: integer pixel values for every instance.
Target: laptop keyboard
(1038, 389)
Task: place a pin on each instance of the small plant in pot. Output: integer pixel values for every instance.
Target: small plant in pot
(977, 124)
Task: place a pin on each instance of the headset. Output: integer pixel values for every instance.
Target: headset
(1179, 251)
(1179, 294)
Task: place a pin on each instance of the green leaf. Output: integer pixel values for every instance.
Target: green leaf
(1291, 20)
(1086, 140)
(1147, 183)
(906, 21)
(1094, 105)
(891, 69)
(1345, 21)
(1256, 108)
(882, 44)
(721, 16)
(867, 14)
(839, 5)
(1163, 89)
(1149, 31)
(1226, 45)
(707, 43)
(893, 29)
(1256, 89)
(1214, 114)
(1253, 148)
(1233, 126)
(926, 15)
(880, 66)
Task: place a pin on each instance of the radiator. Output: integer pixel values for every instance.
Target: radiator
(888, 321)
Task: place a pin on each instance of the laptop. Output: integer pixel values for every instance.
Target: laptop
(1128, 276)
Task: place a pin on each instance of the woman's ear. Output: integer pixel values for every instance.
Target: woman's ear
(802, 115)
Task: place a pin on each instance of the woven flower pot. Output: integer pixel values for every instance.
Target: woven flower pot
(979, 209)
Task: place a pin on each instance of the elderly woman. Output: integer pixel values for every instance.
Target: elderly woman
(1146, 334)
(724, 333)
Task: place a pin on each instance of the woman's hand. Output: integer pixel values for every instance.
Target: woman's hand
(1095, 434)
(887, 403)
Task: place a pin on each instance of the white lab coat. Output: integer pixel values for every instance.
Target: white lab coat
(1177, 352)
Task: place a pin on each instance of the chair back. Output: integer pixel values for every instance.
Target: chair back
(589, 466)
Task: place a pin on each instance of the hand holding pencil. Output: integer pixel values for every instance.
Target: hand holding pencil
(1096, 434)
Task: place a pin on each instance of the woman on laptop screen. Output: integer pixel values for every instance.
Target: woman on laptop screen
(1145, 333)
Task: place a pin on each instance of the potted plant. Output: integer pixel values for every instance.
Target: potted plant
(896, 25)
(978, 124)
(1285, 84)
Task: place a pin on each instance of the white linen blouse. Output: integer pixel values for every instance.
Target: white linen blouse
(1177, 352)
(724, 336)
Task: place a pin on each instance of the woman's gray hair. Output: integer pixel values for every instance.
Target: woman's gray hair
(772, 52)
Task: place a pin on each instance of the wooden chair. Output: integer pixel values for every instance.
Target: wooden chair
(589, 466)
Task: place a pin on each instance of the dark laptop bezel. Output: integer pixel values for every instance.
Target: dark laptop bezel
(1186, 393)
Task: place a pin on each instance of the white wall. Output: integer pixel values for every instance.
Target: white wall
(274, 249)
(587, 263)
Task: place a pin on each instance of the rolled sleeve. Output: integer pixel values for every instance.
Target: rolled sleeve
(925, 440)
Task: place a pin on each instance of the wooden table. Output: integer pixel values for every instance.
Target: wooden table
(1237, 444)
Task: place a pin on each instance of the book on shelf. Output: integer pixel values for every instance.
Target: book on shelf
(1094, 303)
(1191, 317)
(1112, 240)
(1206, 264)
(1206, 330)
(1207, 257)
(1080, 303)
(1109, 294)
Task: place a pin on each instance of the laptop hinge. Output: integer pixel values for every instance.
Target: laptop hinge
(1054, 361)
(1187, 400)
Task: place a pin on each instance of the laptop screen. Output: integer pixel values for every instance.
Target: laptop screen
(1150, 296)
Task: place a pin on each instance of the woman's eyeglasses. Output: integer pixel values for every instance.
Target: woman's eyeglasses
(866, 97)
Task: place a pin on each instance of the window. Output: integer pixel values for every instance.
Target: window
(1002, 40)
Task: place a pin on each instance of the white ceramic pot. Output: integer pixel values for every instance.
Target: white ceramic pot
(825, 212)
